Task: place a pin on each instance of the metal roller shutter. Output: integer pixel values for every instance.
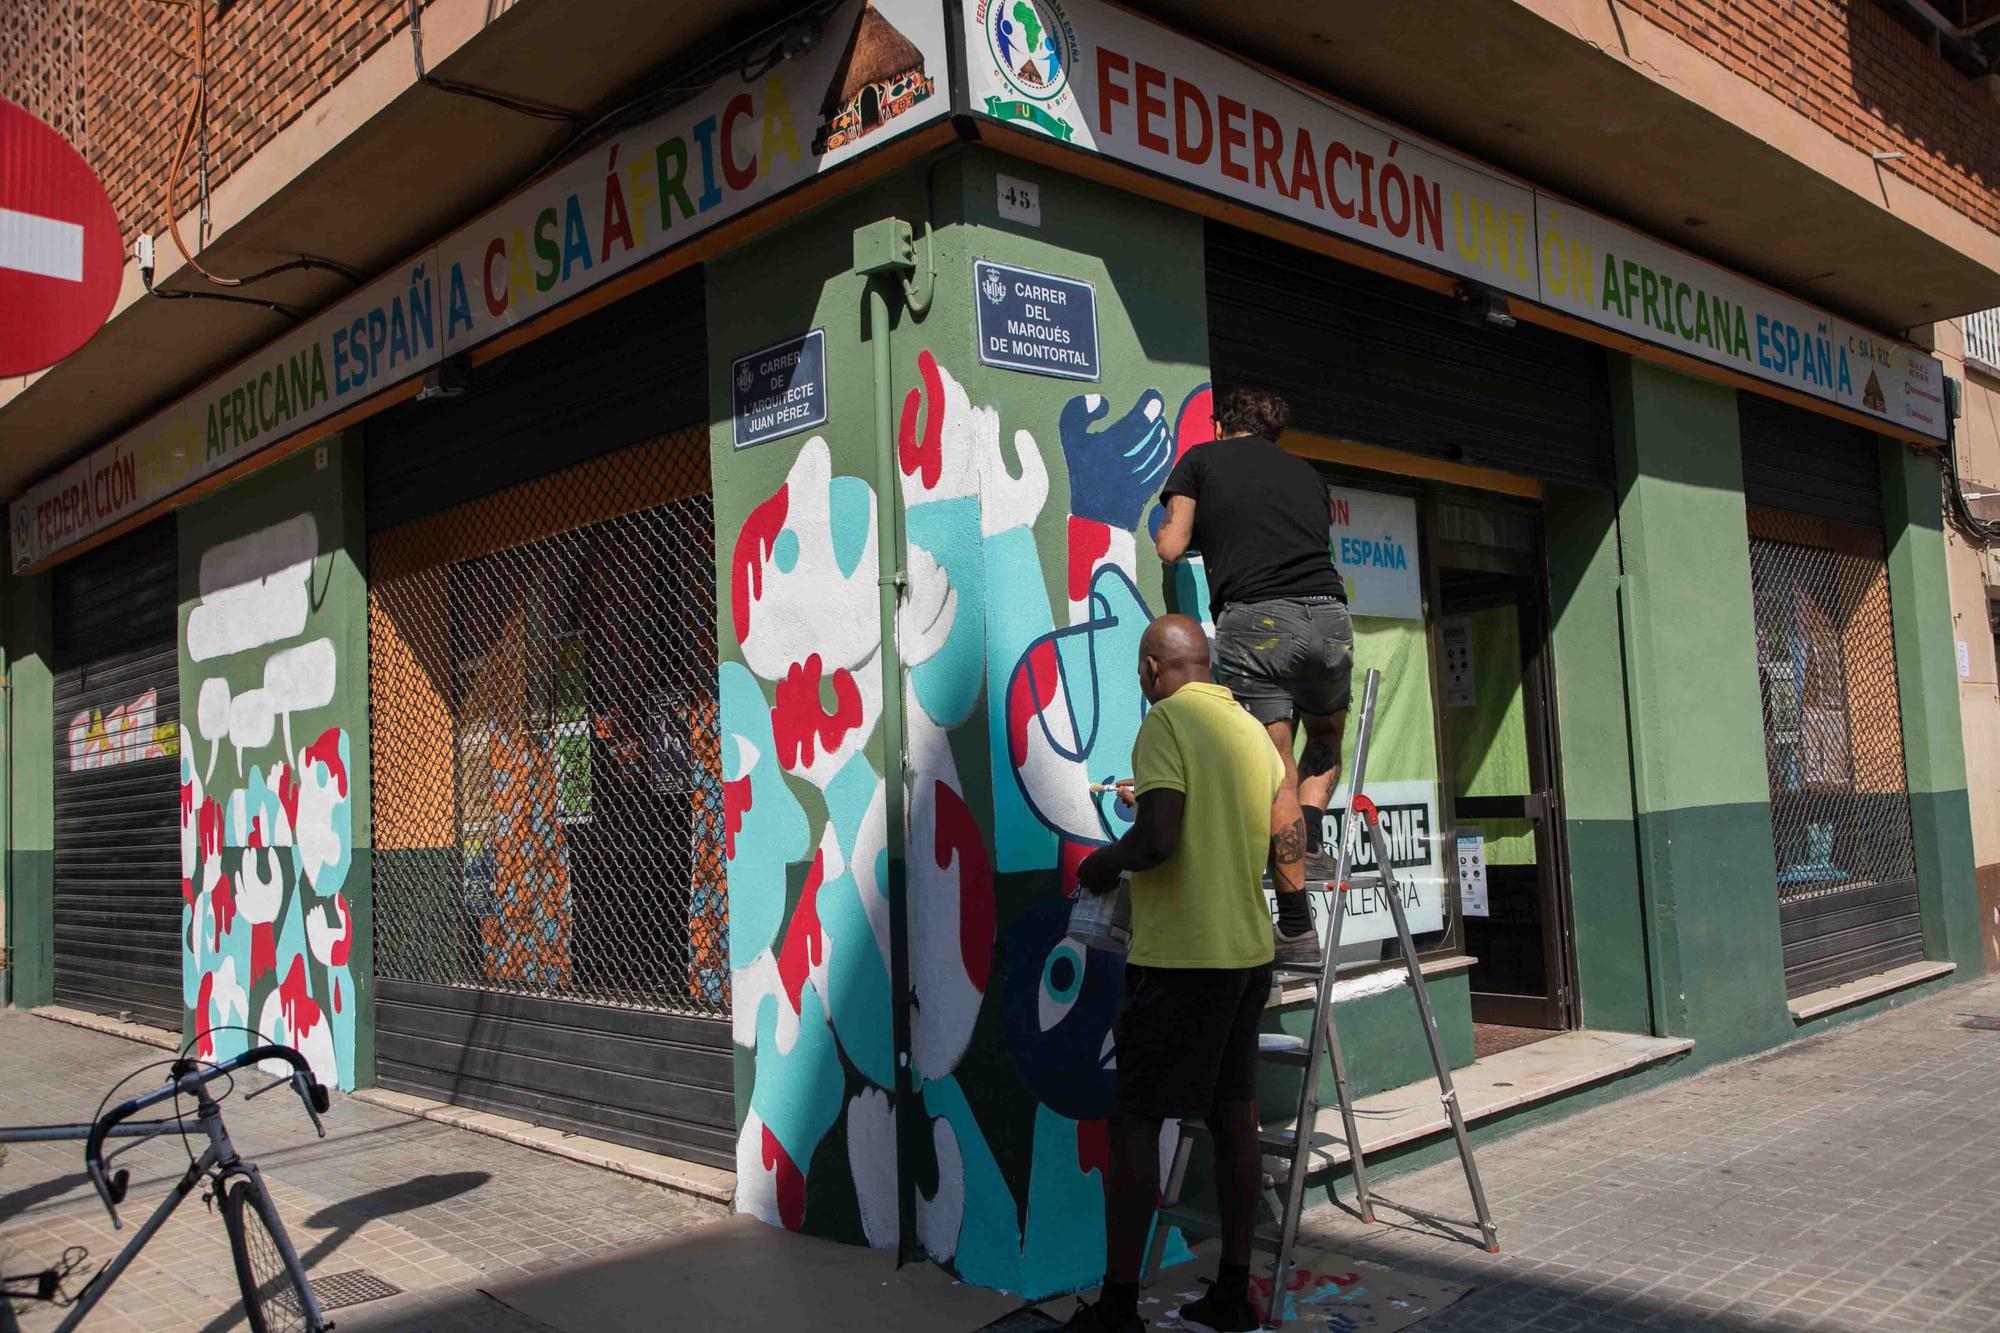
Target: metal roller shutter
(1809, 464)
(117, 779)
(549, 914)
(1366, 358)
(611, 379)
(1833, 734)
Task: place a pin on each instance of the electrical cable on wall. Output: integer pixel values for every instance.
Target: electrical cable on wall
(194, 130)
(751, 57)
(1958, 507)
(539, 110)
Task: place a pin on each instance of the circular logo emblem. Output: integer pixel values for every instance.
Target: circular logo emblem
(1032, 46)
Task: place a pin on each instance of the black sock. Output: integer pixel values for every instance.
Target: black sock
(1315, 826)
(1232, 1282)
(1294, 913)
(1119, 1301)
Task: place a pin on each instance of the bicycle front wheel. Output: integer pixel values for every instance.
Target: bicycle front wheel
(273, 1299)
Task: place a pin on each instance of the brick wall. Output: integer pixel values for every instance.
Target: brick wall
(1852, 69)
(114, 76)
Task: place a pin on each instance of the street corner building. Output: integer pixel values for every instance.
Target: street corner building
(623, 636)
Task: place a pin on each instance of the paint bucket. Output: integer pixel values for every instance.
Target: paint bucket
(1103, 920)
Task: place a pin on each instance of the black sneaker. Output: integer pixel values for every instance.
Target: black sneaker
(1092, 1319)
(1214, 1313)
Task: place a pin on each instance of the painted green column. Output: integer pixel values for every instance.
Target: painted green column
(1606, 905)
(1695, 720)
(31, 780)
(274, 762)
(1927, 688)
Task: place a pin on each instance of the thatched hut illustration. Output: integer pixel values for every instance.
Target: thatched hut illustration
(880, 76)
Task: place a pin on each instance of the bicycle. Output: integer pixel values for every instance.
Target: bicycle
(276, 1296)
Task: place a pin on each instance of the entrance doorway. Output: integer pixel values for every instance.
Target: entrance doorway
(1496, 731)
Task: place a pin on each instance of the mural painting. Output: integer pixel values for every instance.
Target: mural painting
(266, 805)
(1018, 653)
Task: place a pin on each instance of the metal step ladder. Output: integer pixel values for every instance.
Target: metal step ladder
(1288, 1152)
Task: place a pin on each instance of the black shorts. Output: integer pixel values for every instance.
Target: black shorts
(1288, 657)
(1187, 1039)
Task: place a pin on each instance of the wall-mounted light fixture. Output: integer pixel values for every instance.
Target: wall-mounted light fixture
(1480, 304)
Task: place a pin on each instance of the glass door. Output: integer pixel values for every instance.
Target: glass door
(1496, 731)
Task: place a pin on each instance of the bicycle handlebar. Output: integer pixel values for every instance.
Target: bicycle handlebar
(190, 1078)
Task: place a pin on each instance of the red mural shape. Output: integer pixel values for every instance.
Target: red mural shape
(1196, 424)
(1031, 690)
(208, 828)
(223, 901)
(805, 942)
(325, 750)
(923, 458)
(735, 804)
(204, 1045)
(288, 792)
(1089, 542)
(754, 543)
(296, 1003)
(958, 838)
(799, 719)
(338, 953)
(789, 1182)
(263, 950)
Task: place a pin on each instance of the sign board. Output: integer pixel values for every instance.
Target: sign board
(1017, 200)
(1472, 897)
(1410, 828)
(1374, 538)
(740, 144)
(1037, 322)
(780, 390)
(1964, 660)
(61, 259)
(1107, 81)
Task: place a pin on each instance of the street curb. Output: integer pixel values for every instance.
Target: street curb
(110, 1027)
(703, 1182)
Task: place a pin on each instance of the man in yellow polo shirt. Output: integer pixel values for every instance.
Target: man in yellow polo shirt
(1205, 781)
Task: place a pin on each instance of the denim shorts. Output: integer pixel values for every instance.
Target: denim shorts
(1286, 658)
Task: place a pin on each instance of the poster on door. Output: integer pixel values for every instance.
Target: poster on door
(1472, 897)
(1410, 832)
(1374, 539)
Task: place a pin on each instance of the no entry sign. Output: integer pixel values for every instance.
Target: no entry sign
(60, 257)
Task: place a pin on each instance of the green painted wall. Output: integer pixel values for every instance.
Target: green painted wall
(31, 779)
(1927, 687)
(1695, 719)
(1607, 908)
(1381, 1039)
(1030, 576)
(274, 762)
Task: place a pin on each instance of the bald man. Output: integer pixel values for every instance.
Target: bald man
(1205, 781)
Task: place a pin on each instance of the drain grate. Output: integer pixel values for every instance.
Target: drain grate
(337, 1291)
(1982, 1022)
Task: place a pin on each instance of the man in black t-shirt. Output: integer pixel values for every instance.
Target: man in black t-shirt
(1283, 642)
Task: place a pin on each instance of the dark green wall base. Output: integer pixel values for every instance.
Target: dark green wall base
(1723, 921)
(1382, 1038)
(31, 943)
(1947, 881)
(1609, 922)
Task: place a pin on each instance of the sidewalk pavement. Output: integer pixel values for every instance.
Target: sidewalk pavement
(439, 1212)
(1847, 1182)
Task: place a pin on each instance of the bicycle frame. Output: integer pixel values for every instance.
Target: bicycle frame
(219, 1159)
